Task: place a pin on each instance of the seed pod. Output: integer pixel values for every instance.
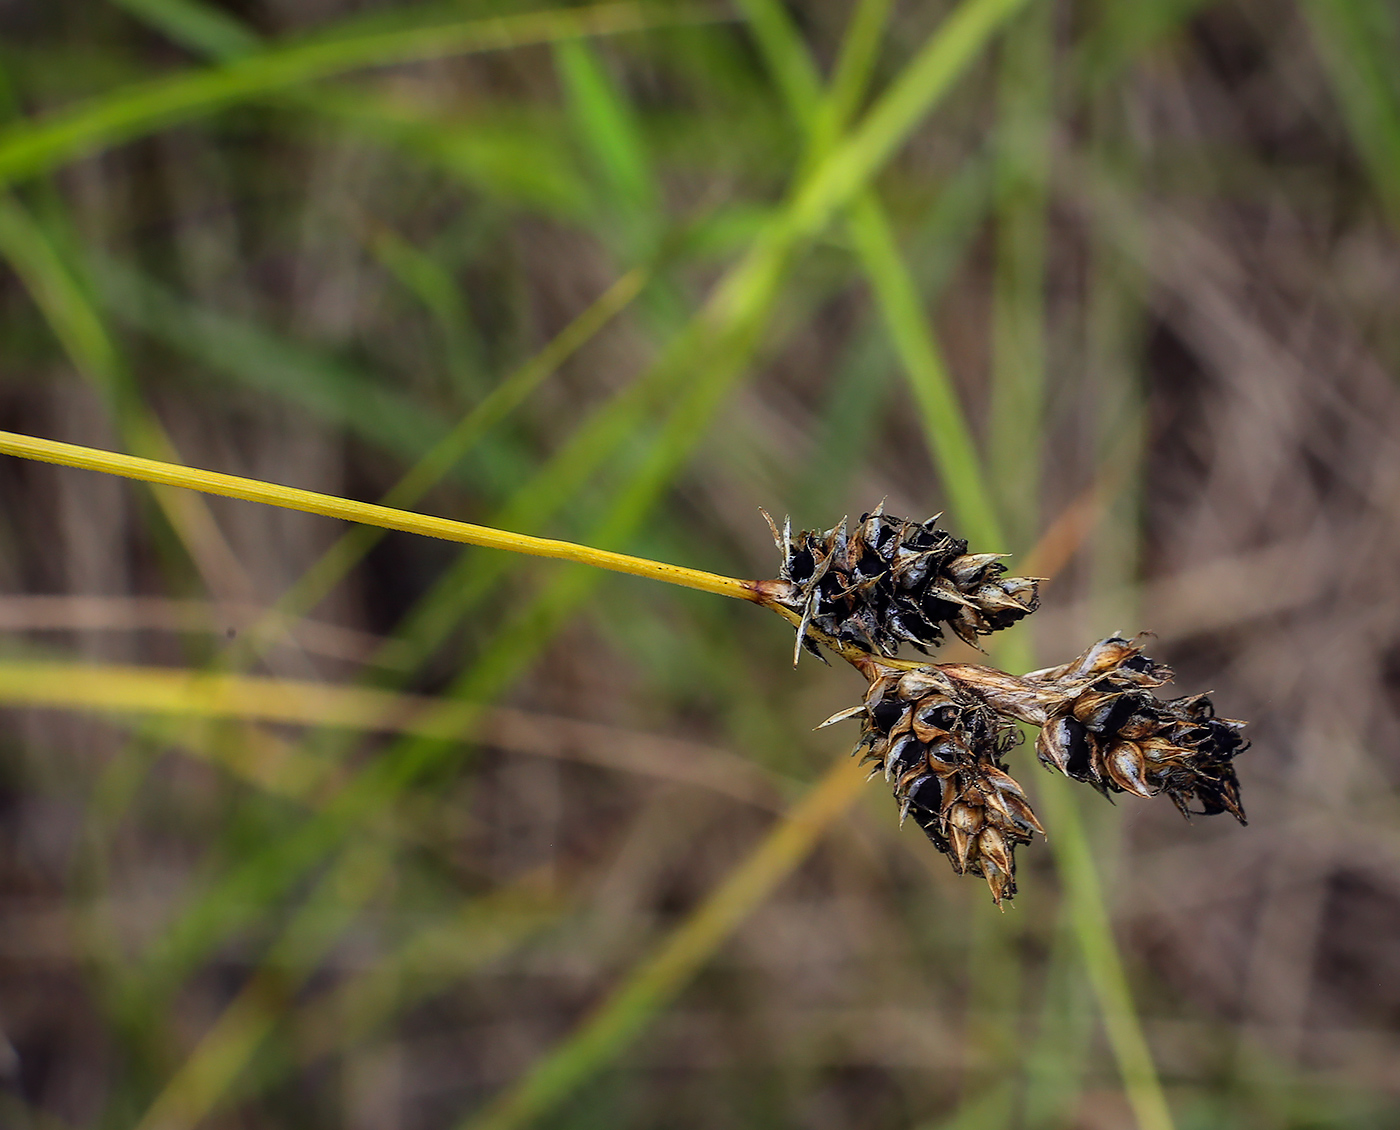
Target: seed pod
(891, 581)
(942, 747)
(1113, 732)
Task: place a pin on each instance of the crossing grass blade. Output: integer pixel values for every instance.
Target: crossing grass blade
(77, 324)
(443, 456)
(195, 25)
(272, 763)
(652, 985)
(605, 124)
(33, 147)
(1359, 41)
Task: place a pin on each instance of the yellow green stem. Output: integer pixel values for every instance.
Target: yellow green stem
(366, 513)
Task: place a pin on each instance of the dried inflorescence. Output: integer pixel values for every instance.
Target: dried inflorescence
(1114, 733)
(942, 747)
(940, 733)
(891, 581)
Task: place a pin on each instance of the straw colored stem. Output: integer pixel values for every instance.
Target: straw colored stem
(367, 513)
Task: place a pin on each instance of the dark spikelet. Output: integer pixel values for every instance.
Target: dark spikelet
(890, 581)
(1113, 732)
(942, 749)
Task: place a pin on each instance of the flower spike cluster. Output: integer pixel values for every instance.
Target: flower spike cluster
(940, 733)
(942, 748)
(1117, 735)
(891, 581)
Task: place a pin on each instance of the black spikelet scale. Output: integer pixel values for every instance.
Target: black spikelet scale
(891, 581)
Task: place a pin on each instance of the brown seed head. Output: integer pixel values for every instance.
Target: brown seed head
(942, 747)
(890, 581)
(1113, 732)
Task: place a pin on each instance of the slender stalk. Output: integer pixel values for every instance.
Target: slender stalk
(621, 1016)
(366, 513)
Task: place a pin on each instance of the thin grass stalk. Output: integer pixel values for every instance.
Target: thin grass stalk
(194, 1091)
(79, 328)
(1013, 471)
(900, 304)
(1358, 41)
(618, 1020)
(366, 513)
(324, 574)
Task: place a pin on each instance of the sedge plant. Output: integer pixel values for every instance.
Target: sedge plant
(939, 733)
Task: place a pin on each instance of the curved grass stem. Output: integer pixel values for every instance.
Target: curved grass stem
(366, 513)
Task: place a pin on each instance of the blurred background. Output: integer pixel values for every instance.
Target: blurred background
(307, 830)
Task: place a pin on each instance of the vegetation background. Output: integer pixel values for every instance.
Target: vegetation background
(310, 830)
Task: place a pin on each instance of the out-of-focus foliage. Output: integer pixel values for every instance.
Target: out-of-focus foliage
(307, 828)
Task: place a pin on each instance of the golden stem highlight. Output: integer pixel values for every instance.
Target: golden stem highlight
(366, 513)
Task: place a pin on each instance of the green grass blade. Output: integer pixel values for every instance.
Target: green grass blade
(822, 113)
(940, 412)
(607, 127)
(64, 300)
(901, 306)
(1021, 178)
(333, 391)
(1103, 962)
(195, 25)
(435, 465)
(1359, 41)
(793, 72)
(33, 147)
